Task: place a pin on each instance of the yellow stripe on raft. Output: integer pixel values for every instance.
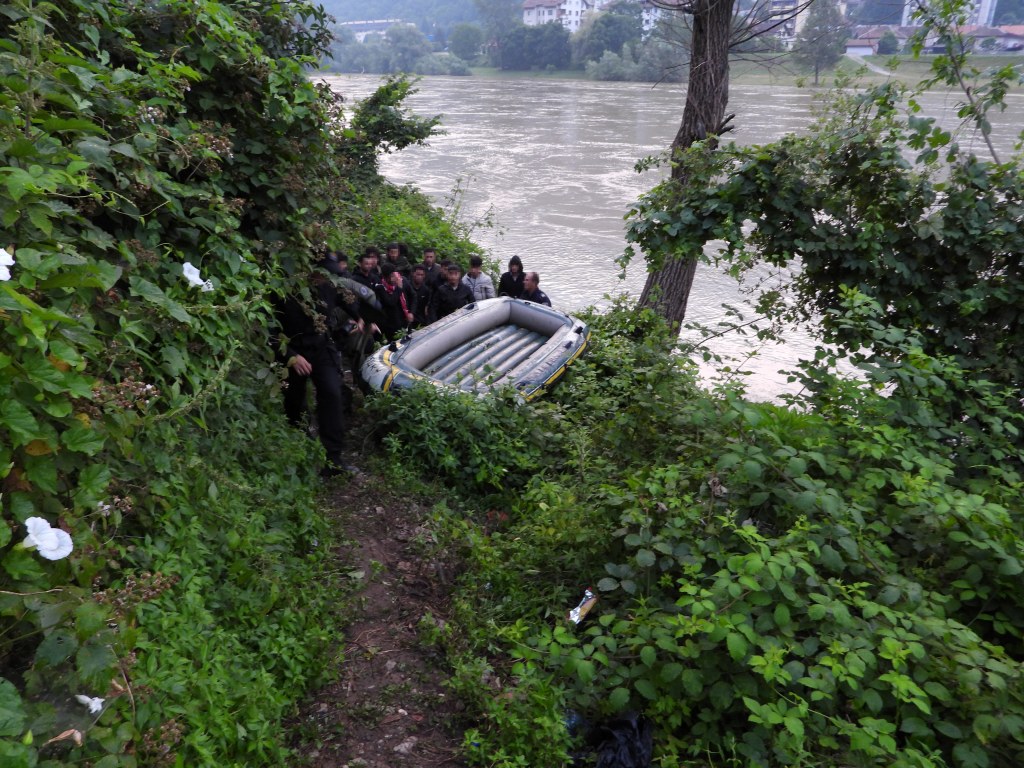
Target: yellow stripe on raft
(561, 369)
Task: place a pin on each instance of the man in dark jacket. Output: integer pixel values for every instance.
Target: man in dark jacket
(396, 258)
(336, 263)
(435, 275)
(366, 269)
(532, 291)
(511, 282)
(304, 344)
(451, 295)
(421, 295)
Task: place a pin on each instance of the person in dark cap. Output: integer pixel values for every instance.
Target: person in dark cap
(511, 282)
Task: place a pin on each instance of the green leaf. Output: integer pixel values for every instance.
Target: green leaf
(751, 471)
(89, 619)
(92, 486)
(915, 726)
(737, 645)
(781, 616)
(648, 656)
(19, 420)
(949, 729)
(794, 725)
(149, 292)
(645, 558)
(646, 689)
(82, 439)
(56, 647)
(618, 699)
(1010, 566)
(95, 663)
(12, 713)
(42, 472)
(670, 672)
(22, 565)
(872, 700)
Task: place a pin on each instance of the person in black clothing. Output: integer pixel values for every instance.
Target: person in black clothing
(450, 296)
(435, 274)
(421, 295)
(336, 263)
(304, 344)
(391, 295)
(365, 269)
(511, 282)
(395, 256)
(532, 291)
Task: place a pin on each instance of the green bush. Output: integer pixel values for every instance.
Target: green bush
(164, 169)
(778, 586)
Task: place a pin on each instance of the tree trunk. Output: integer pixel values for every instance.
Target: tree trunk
(707, 94)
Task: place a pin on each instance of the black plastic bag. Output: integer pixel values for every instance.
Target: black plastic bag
(626, 741)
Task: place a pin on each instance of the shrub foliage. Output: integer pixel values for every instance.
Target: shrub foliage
(164, 168)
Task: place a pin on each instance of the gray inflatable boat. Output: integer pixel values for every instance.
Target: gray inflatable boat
(491, 344)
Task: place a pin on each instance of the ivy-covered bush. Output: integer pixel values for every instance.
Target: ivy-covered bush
(778, 585)
(165, 168)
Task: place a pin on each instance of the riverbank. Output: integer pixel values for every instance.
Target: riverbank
(781, 70)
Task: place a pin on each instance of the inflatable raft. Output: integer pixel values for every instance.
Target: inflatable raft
(487, 345)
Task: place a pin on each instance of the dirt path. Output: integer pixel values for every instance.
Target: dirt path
(388, 707)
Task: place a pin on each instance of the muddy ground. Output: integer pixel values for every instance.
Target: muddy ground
(388, 706)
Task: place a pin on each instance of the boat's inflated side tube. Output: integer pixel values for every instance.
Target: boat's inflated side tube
(492, 343)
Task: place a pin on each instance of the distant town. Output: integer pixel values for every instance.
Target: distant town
(638, 40)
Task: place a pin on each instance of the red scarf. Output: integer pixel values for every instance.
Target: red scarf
(401, 297)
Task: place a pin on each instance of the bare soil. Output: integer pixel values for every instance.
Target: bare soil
(388, 706)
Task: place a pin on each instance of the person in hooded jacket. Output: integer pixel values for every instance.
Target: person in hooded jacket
(511, 282)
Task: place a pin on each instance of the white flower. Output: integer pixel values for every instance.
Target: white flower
(194, 278)
(6, 262)
(94, 703)
(52, 543)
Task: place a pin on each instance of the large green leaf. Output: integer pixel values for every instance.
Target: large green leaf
(12, 713)
(56, 647)
(150, 292)
(18, 420)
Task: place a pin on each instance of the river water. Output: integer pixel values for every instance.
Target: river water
(551, 163)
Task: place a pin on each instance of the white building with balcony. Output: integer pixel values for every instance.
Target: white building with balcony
(569, 13)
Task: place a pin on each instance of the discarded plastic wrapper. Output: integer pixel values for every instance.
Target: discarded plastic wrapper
(589, 599)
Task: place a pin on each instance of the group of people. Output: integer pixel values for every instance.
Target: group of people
(377, 298)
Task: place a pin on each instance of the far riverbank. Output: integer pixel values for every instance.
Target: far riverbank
(781, 70)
